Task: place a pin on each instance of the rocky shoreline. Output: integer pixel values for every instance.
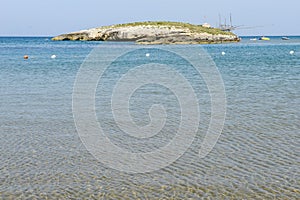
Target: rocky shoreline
(153, 33)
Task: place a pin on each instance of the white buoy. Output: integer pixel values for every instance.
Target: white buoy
(223, 53)
(53, 56)
(292, 52)
(147, 54)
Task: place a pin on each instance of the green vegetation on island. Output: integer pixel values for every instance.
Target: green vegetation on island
(192, 27)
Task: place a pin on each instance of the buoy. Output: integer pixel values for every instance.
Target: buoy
(292, 52)
(53, 56)
(223, 53)
(25, 57)
(147, 54)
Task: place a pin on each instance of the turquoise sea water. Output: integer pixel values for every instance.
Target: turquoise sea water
(256, 157)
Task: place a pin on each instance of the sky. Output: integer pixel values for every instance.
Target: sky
(50, 18)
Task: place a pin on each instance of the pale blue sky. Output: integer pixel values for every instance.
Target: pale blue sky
(44, 17)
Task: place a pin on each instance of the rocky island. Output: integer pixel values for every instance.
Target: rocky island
(153, 33)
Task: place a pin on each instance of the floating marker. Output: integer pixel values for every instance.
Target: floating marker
(53, 56)
(292, 52)
(25, 57)
(147, 54)
(223, 53)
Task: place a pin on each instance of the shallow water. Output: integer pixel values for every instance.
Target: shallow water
(257, 155)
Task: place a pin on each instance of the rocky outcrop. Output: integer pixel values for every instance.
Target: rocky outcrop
(153, 33)
(188, 39)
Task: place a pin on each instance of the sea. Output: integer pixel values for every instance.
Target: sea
(44, 155)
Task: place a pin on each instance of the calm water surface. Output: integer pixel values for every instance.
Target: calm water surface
(256, 157)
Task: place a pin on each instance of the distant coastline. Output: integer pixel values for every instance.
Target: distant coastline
(153, 33)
